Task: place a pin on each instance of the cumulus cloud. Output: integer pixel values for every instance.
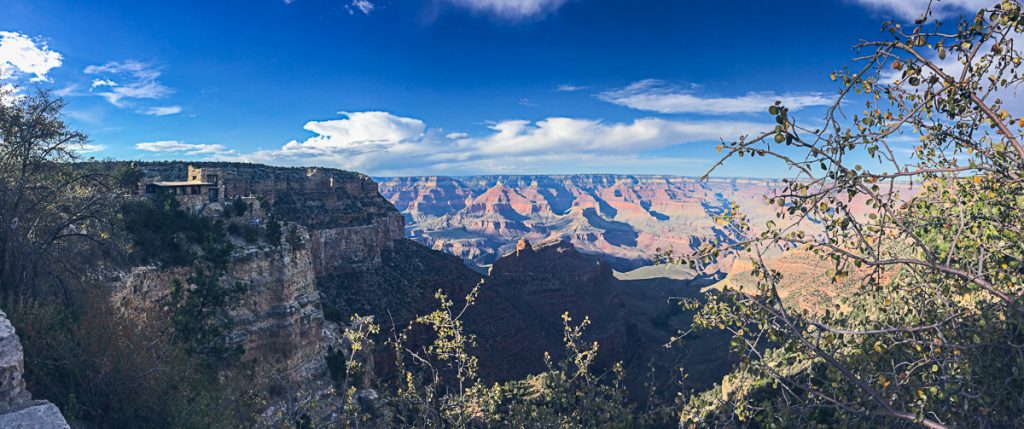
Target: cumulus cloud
(383, 143)
(358, 132)
(161, 110)
(20, 54)
(658, 96)
(174, 146)
(120, 83)
(914, 9)
(511, 9)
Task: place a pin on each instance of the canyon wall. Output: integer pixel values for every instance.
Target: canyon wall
(625, 218)
(277, 321)
(349, 222)
(336, 225)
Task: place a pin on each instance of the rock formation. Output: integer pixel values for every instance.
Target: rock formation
(278, 321)
(518, 316)
(624, 218)
(351, 258)
(339, 226)
(17, 409)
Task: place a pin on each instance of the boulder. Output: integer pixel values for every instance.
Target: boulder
(17, 409)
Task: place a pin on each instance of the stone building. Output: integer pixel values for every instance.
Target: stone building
(202, 186)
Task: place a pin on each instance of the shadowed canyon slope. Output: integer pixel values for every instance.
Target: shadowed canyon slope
(625, 218)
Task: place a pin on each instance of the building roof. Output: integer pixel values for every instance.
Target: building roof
(183, 184)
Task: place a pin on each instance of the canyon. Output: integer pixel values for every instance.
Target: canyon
(627, 219)
(345, 253)
(350, 249)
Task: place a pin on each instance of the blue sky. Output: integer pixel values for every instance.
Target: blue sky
(451, 87)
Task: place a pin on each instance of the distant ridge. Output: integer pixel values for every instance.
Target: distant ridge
(624, 217)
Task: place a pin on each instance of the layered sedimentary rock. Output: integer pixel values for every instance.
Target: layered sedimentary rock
(17, 409)
(277, 322)
(337, 226)
(355, 249)
(627, 219)
(349, 222)
(624, 218)
(354, 259)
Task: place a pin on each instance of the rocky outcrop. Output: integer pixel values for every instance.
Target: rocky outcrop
(350, 256)
(17, 409)
(278, 322)
(349, 222)
(353, 259)
(518, 316)
(355, 248)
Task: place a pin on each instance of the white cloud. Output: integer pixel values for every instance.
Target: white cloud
(511, 9)
(573, 135)
(526, 102)
(90, 148)
(174, 146)
(914, 9)
(67, 91)
(134, 81)
(359, 131)
(657, 96)
(364, 6)
(96, 83)
(382, 143)
(569, 88)
(19, 54)
(161, 110)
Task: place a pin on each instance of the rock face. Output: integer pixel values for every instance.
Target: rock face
(278, 321)
(338, 226)
(518, 316)
(17, 409)
(624, 218)
(355, 248)
(349, 222)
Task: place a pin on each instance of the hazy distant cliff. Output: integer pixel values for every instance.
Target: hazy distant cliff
(626, 218)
